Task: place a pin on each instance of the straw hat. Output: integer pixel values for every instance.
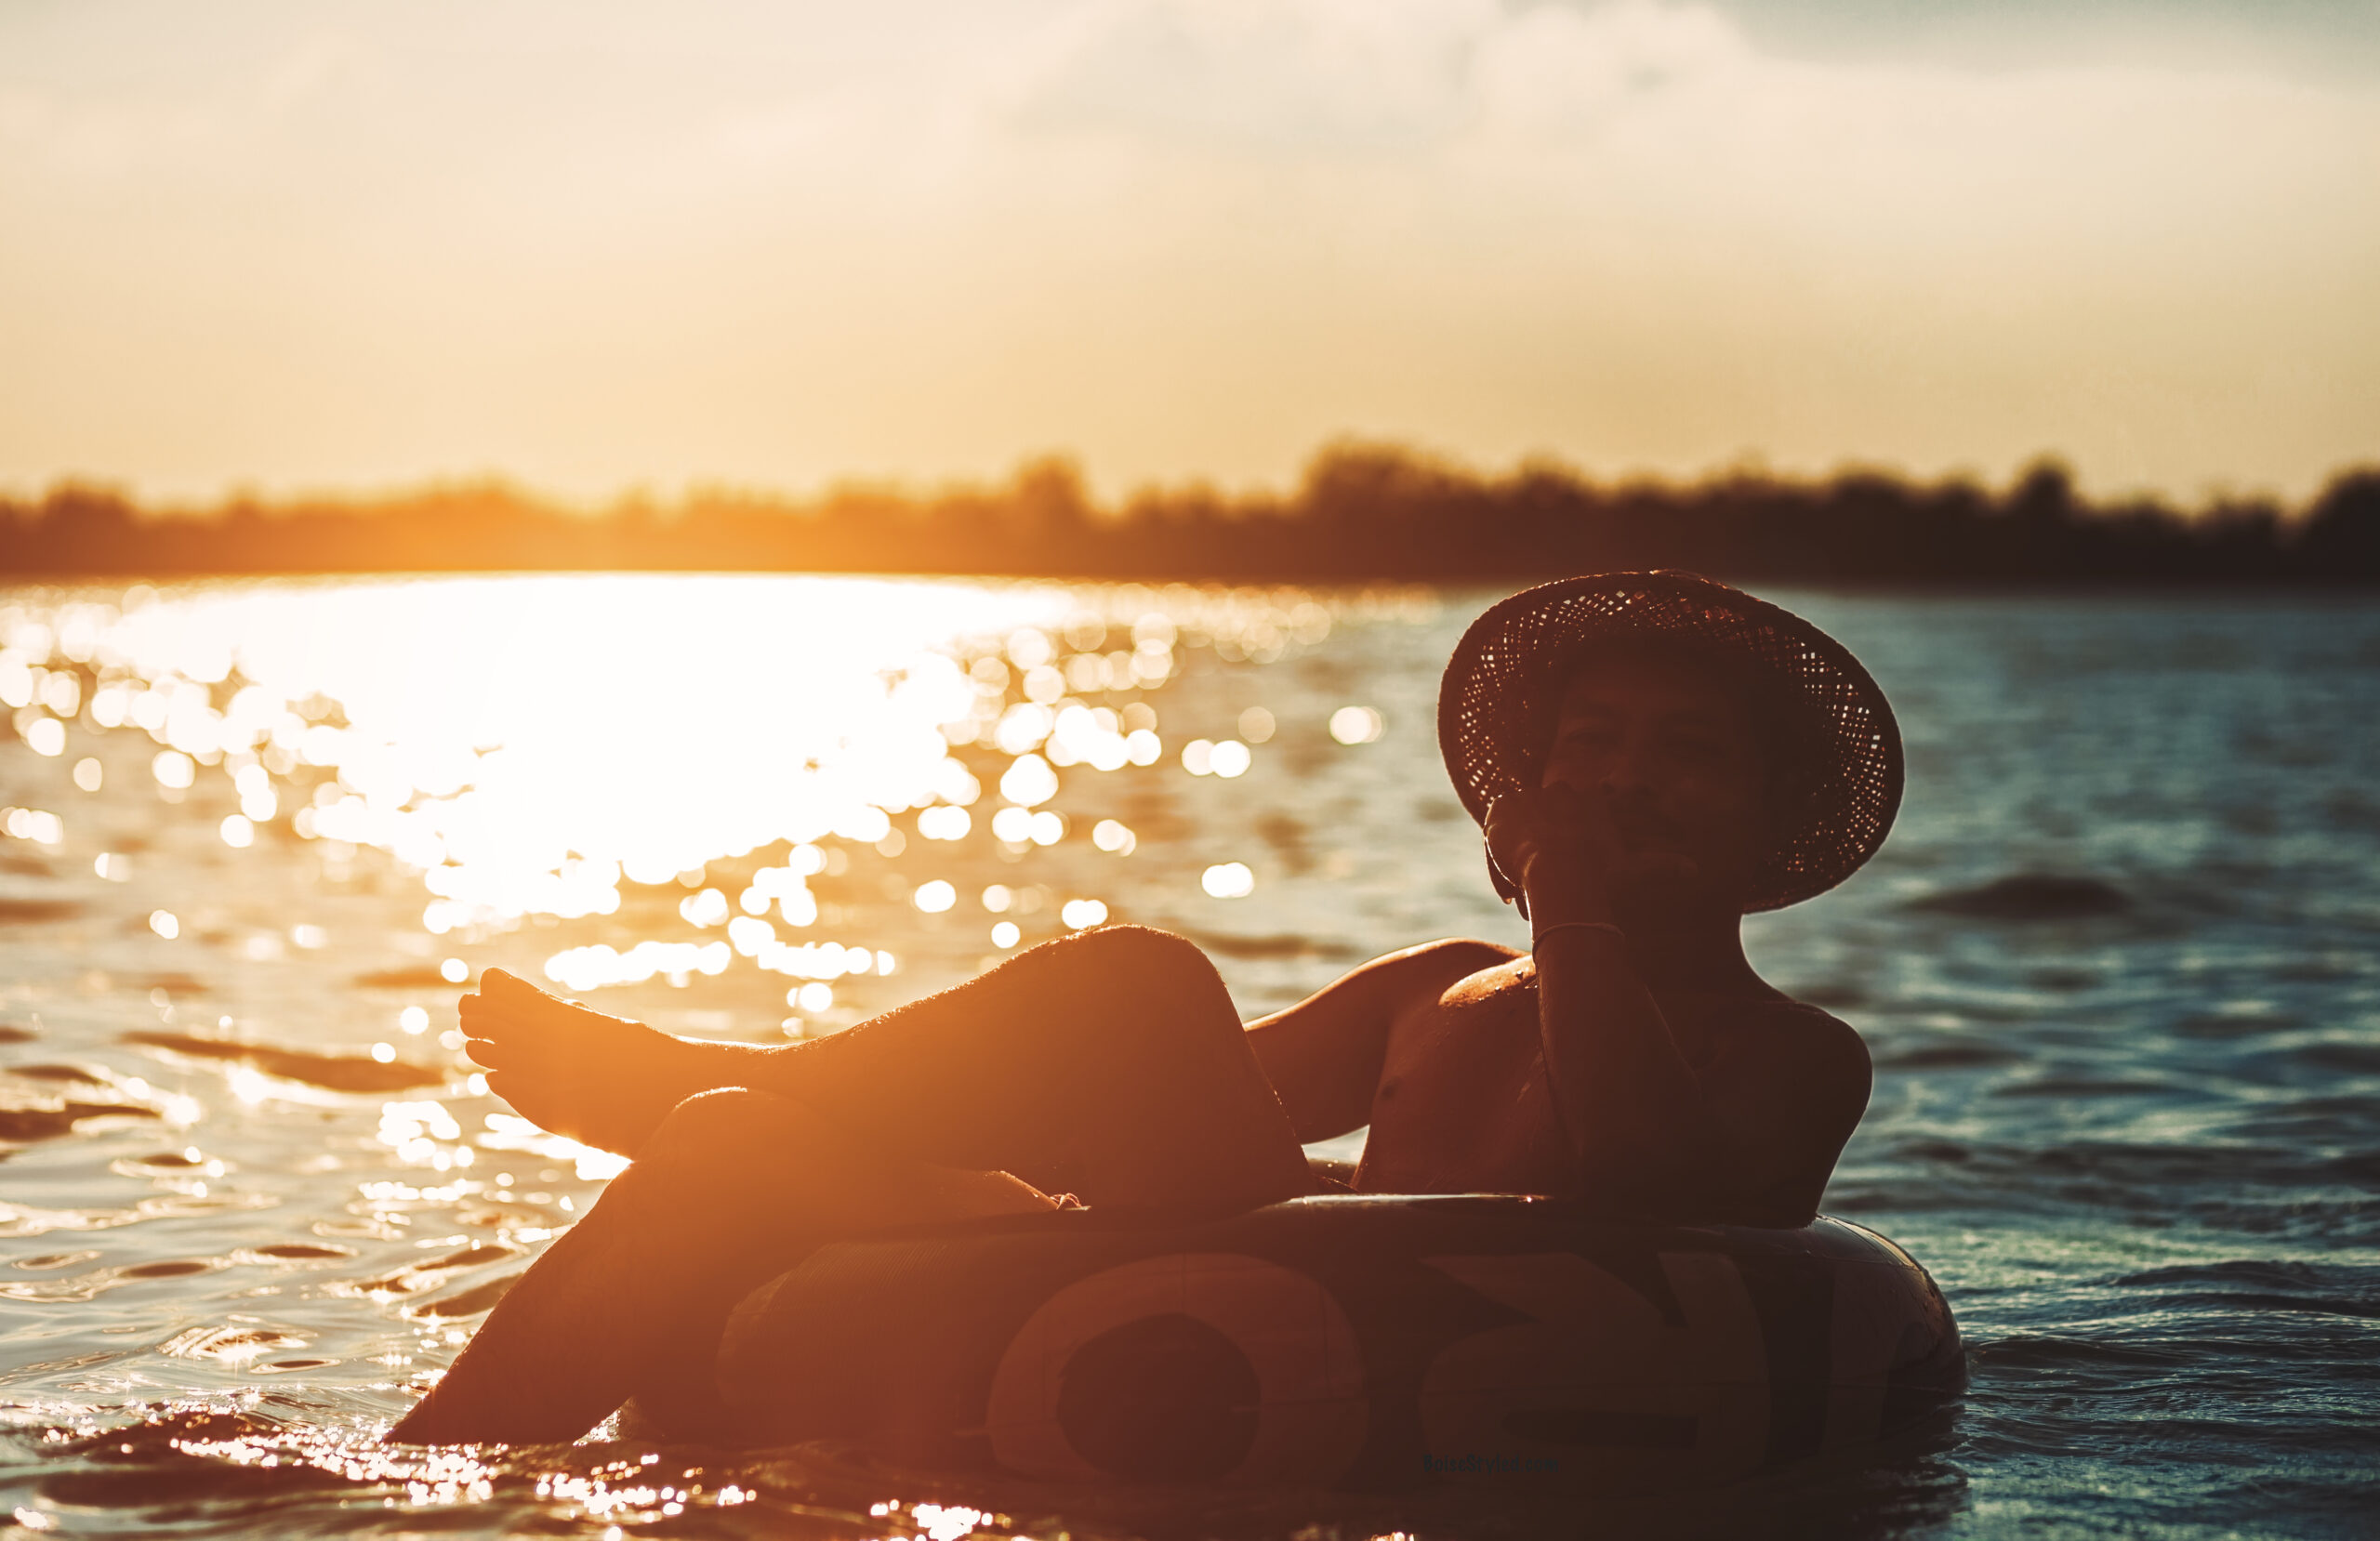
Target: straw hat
(1833, 735)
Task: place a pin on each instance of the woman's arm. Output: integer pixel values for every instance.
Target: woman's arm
(1751, 1136)
(1628, 1101)
(1324, 1055)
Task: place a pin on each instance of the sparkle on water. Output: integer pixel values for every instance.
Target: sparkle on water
(257, 835)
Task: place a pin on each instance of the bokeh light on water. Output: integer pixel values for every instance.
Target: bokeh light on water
(252, 1198)
(534, 747)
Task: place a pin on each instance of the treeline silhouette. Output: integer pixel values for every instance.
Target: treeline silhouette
(1361, 512)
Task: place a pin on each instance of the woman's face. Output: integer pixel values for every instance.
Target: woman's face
(1671, 751)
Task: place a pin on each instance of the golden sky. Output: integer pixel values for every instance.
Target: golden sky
(590, 246)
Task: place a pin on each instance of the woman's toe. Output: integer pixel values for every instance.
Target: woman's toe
(515, 991)
(499, 982)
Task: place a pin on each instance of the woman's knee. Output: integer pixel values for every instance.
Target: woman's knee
(1152, 948)
(728, 1124)
(1144, 960)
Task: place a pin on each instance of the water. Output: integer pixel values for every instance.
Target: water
(2138, 1143)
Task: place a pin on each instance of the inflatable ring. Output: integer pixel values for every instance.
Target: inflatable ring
(1337, 1342)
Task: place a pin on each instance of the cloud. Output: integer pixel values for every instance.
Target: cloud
(336, 243)
(1335, 75)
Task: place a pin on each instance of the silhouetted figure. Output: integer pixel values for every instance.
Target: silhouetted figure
(1652, 755)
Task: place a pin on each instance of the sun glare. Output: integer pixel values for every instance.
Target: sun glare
(550, 750)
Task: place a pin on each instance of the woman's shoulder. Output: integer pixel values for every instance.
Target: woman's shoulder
(1808, 1048)
(1768, 1026)
(1434, 969)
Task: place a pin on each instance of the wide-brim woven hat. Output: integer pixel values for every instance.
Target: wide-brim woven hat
(1503, 692)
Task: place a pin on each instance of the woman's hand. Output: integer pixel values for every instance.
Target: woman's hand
(1557, 850)
(1565, 855)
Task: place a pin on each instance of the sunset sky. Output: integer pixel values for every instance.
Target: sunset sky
(591, 247)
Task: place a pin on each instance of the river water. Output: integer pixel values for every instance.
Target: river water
(2127, 1107)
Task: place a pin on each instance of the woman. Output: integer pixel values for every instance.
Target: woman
(1652, 755)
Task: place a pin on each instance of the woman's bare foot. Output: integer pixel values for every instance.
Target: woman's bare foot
(602, 1080)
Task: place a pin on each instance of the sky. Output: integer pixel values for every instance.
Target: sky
(590, 246)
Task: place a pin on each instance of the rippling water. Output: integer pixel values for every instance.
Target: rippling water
(2117, 966)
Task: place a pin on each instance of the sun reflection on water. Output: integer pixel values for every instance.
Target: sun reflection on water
(540, 750)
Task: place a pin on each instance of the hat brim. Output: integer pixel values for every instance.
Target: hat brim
(1499, 701)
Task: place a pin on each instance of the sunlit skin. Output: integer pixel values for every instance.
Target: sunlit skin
(1647, 1069)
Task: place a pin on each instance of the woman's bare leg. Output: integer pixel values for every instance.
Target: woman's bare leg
(733, 1187)
(1111, 1065)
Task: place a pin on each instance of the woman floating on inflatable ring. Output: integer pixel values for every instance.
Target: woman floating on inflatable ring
(1651, 757)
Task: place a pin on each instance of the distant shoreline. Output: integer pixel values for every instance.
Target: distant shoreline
(1362, 514)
